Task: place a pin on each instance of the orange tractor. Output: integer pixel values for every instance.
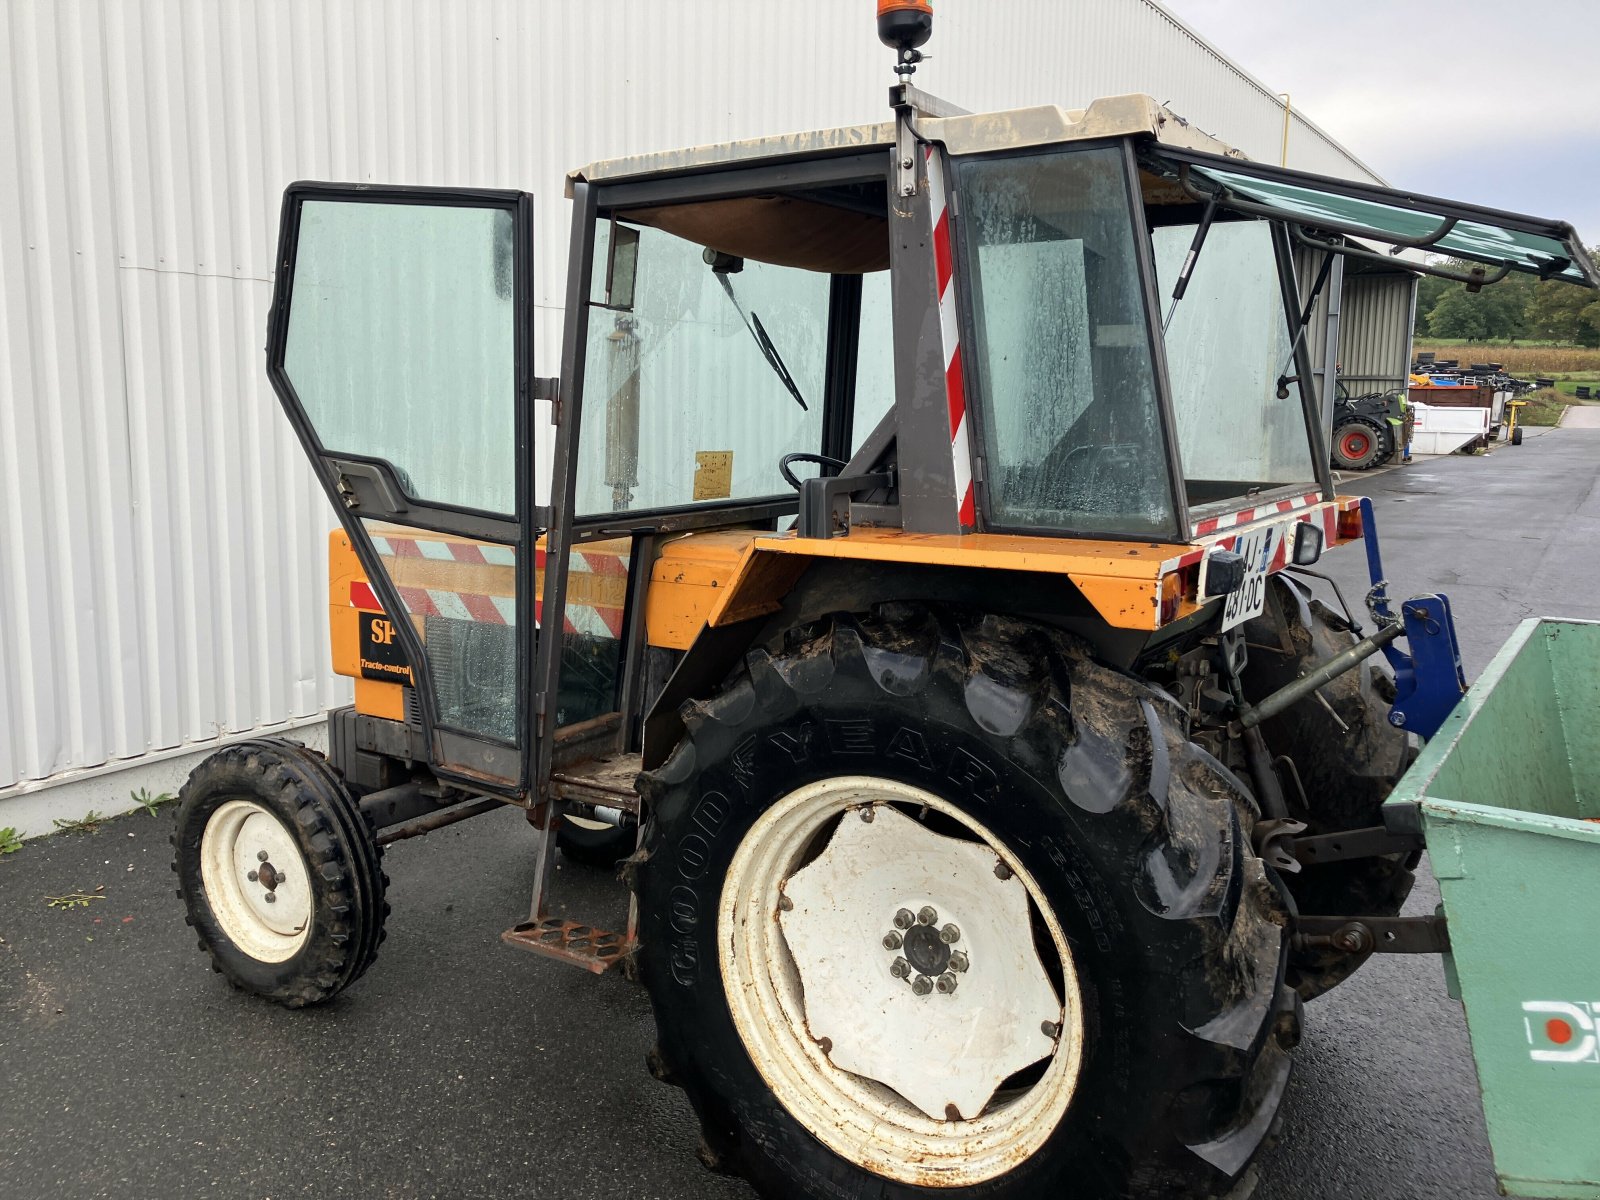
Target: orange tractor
(916, 601)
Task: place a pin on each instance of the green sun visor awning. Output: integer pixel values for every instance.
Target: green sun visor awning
(1321, 206)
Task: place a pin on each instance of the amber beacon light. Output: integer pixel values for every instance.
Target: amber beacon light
(905, 25)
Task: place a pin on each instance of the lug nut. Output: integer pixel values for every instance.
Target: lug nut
(1051, 1029)
(949, 934)
(892, 940)
(867, 814)
(784, 902)
(922, 985)
(903, 919)
(946, 983)
(1001, 871)
(958, 961)
(271, 898)
(927, 915)
(253, 876)
(900, 969)
(261, 856)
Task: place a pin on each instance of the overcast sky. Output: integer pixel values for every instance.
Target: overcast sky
(1492, 101)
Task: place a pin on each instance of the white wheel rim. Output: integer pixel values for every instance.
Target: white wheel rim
(247, 855)
(804, 963)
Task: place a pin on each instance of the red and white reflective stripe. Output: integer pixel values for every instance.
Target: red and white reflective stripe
(599, 620)
(1323, 513)
(462, 552)
(950, 336)
(1246, 516)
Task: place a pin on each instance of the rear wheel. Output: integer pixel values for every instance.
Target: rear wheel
(936, 901)
(279, 872)
(1357, 445)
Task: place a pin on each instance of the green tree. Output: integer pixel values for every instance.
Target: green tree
(1564, 312)
(1495, 312)
(1429, 290)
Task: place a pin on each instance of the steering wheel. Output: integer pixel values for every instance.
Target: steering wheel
(822, 460)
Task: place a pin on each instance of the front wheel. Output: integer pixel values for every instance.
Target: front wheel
(279, 872)
(934, 901)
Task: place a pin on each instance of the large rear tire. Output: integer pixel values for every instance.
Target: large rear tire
(279, 872)
(1008, 772)
(1347, 757)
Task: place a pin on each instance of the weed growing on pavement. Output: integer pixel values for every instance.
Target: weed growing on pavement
(148, 802)
(88, 823)
(10, 840)
(72, 900)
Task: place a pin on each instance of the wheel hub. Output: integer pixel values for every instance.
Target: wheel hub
(990, 1024)
(263, 905)
(925, 957)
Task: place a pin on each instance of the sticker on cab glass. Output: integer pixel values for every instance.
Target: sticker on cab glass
(382, 656)
(713, 474)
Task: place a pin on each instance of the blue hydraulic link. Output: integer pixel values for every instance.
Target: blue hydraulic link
(1428, 677)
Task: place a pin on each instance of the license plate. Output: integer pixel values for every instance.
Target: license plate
(1258, 548)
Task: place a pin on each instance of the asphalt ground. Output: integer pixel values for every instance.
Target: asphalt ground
(461, 1068)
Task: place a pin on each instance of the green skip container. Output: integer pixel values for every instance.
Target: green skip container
(1509, 793)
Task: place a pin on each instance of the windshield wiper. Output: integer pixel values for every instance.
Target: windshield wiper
(752, 322)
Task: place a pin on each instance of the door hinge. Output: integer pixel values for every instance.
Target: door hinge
(539, 703)
(548, 387)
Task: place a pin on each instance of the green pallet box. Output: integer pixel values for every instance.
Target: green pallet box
(1509, 792)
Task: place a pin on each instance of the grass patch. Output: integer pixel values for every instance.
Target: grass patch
(1544, 407)
(10, 840)
(1522, 359)
(1569, 386)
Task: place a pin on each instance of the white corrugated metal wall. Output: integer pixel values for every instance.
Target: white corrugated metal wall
(161, 541)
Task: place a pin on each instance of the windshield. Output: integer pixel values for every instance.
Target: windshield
(1071, 419)
(1227, 344)
(698, 385)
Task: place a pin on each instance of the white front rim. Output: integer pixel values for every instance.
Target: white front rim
(897, 1080)
(256, 881)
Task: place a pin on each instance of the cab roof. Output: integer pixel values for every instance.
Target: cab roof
(968, 133)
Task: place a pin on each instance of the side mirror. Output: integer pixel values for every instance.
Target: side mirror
(1307, 544)
(622, 263)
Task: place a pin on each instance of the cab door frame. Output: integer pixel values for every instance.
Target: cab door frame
(360, 486)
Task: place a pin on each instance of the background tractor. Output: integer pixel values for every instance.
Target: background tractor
(993, 788)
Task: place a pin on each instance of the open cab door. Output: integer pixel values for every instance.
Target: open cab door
(400, 344)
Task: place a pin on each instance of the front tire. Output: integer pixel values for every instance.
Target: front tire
(978, 739)
(279, 872)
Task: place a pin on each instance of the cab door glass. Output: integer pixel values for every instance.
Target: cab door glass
(401, 343)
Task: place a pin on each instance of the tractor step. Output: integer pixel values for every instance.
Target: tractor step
(596, 950)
